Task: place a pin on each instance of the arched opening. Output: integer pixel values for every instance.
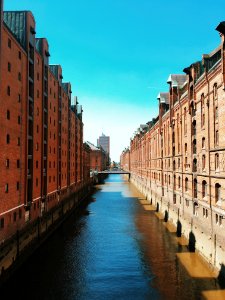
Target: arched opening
(195, 191)
(157, 207)
(194, 165)
(192, 242)
(194, 147)
(204, 188)
(166, 216)
(186, 184)
(179, 228)
(194, 127)
(217, 192)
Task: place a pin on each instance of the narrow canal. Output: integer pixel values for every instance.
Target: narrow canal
(115, 249)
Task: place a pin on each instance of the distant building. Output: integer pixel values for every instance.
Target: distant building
(104, 142)
(98, 158)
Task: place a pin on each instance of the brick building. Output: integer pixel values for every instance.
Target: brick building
(104, 142)
(41, 142)
(178, 159)
(98, 158)
(86, 161)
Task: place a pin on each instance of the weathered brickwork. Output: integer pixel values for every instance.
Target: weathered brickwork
(178, 159)
(42, 159)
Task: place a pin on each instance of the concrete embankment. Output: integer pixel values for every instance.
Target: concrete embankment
(189, 229)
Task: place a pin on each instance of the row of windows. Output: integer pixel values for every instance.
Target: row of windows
(195, 183)
(8, 117)
(186, 165)
(9, 93)
(7, 187)
(50, 179)
(10, 68)
(7, 163)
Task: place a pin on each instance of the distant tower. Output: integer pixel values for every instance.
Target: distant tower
(104, 142)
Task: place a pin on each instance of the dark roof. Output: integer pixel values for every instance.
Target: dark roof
(221, 27)
(16, 22)
(177, 80)
(163, 98)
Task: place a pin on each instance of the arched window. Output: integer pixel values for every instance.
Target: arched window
(217, 137)
(191, 92)
(195, 209)
(202, 110)
(195, 190)
(217, 192)
(193, 109)
(7, 139)
(185, 121)
(194, 147)
(215, 91)
(173, 137)
(203, 162)
(186, 184)
(204, 189)
(216, 161)
(174, 165)
(194, 127)
(194, 165)
(203, 142)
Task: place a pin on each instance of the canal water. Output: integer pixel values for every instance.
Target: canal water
(115, 249)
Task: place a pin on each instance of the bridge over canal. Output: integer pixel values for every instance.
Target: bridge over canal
(103, 174)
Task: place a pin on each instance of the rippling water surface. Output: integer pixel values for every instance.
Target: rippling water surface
(114, 250)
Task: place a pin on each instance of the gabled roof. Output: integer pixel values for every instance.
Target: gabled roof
(163, 98)
(92, 146)
(177, 80)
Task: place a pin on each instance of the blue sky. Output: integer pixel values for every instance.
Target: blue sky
(118, 54)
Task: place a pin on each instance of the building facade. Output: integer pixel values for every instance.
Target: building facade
(104, 142)
(98, 158)
(177, 160)
(41, 143)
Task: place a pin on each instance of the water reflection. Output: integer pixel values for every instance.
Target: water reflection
(116, 249)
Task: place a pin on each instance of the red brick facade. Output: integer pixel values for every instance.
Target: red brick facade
(98, 158)
(41, 141)
(177, 159)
